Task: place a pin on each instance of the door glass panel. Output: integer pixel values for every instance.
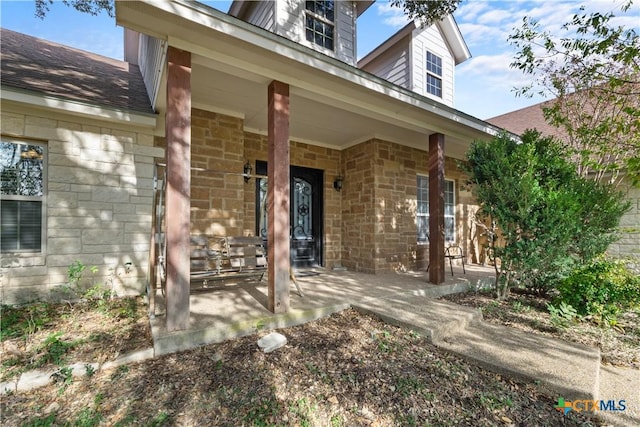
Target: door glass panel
(302, 228)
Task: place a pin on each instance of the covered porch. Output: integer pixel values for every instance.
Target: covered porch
(230, 94)
(235, 309)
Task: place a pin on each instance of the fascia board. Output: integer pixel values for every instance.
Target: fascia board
(453, 36)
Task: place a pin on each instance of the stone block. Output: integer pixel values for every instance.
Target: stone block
(61, 199)
(110, 194)
(12, 123)
(150, 151)
(68, 259)
(102, 236)
(73, 222)
(64, 245)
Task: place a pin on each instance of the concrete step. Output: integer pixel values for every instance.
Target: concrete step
(168, 342)
(433, 319)
(572, 370)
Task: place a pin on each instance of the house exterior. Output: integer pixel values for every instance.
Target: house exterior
(225, 95)
(77, 140)
(532, 117)
(421, 59)
(328, 27)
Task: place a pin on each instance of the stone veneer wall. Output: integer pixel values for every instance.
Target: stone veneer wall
(222, 204)
(358, 208)
(217, 142)
(98, 205)
(309, 156)
(368, 227)
(379, 207)
(628, 246)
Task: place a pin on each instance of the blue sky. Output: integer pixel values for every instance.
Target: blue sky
(484, 84)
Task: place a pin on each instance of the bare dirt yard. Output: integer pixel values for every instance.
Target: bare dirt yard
(346, 370)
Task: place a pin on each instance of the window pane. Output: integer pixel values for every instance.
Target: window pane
(434, 85)
(21, 226)
(449, 228)
(21, 169)
(9, 227)
(434, 64)
(30, 225)
(422, 210)
(22, 189)
(319, 23)
(321, 8)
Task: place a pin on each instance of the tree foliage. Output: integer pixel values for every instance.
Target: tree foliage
(92, 7)
(426, 11)
(594, 75)
(547, 217)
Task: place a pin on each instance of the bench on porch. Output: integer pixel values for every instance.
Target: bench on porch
(220, 258)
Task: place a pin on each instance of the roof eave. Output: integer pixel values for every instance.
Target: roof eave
(77, 108)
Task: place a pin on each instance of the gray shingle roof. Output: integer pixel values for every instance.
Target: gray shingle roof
(53, 69)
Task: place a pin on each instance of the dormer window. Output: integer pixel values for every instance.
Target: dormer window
(319, 22)
(434, 74)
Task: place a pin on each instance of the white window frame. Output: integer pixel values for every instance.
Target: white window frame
(324, 20)
(421, 240)
(433, 74)
(42, 199)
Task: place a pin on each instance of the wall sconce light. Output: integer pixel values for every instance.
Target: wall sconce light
(337, 183)
(247, 171)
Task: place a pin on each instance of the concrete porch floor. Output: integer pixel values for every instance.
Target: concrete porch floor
(234, 309)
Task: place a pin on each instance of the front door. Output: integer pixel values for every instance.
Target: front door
(305, 213)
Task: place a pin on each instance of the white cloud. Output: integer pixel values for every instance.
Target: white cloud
(391, 16)
(494, 16)
(476, 34)
(469, 11)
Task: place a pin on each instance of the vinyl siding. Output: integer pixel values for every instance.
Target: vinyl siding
(430, 39)
(393, 65)
(290, 24)
(262, 14)
(151, 57)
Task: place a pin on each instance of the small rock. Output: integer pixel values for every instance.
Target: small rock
(333, 400)
(53, 407)
(271, 342)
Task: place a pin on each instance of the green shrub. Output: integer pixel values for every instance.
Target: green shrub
(563, 315)
(601, 289)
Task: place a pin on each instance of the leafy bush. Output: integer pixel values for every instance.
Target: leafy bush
(563, 315)
(548, 218)
(601, 289)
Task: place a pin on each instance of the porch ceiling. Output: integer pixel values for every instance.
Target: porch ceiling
(331, 103)
(314, 119)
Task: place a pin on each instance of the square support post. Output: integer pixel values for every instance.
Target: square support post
(178, 198)
(436, 208)
(278, 197)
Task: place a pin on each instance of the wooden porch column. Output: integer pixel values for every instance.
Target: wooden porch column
(278, 197)
(436, 208)
(178, 200)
